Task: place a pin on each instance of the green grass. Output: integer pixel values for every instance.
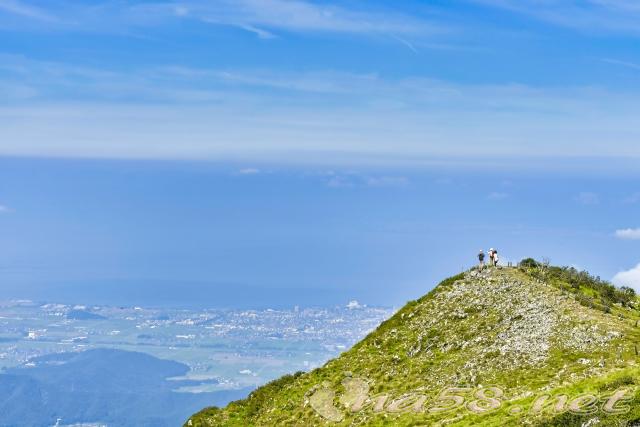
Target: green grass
(454, 336)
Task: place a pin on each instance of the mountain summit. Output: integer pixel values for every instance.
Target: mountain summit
(530, 345)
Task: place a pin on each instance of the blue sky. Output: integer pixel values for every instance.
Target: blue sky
(313, 151)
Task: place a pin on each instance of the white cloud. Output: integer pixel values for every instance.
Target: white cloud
(353, 305)
(340, 181)
(355, 179)
(587, 198)
(4, 209)
(249, 171)
(628, 234)
(630, 278)
(386, 181)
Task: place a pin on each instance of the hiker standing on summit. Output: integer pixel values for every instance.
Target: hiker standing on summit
(480, 260)
(494, 257)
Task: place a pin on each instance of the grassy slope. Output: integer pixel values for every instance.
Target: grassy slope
(529, 330)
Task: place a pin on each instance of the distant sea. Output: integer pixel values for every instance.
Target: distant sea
(173, 294)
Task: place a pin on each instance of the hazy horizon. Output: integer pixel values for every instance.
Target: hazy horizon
(228, 191)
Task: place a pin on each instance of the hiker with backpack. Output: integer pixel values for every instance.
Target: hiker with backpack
(481, 260)
(495, 258)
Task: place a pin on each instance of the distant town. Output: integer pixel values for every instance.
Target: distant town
(224, 349)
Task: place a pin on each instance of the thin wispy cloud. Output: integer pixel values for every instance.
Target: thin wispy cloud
(4, 209)
(26, 10)
(263, 18)
(263, 34)
(626, 64)
(298, 15)
(587, 198)
(386, 181)
(320, 81)
(406, 43)
(340, 181)
(61, 78)
(76, 110)
(224, 107)
(106, 83)
(590, 15)
(496, 196)
(249, 171)
(632, 199)
(181, 10)
(628, 234)
(351, 180)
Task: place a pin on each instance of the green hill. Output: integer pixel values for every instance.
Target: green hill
(532, 345)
